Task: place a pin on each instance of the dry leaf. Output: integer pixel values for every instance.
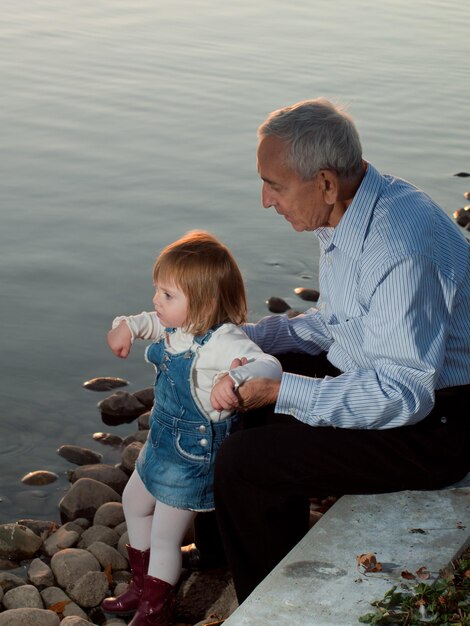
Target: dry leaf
(368, 563)
(59, 607)
(408, 575)
(422, 573)
(108, 573)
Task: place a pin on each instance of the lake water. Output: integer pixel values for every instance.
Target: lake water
(126, 123)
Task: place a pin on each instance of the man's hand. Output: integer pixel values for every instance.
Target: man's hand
(223, 395)
(258, 392)
(120, 340)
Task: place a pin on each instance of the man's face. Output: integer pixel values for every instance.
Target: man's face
(302, 203)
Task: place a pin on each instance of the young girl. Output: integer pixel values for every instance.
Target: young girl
(199, 300)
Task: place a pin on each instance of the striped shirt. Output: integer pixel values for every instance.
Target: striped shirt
(393, 314)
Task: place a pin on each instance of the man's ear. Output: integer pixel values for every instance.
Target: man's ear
(329, 185)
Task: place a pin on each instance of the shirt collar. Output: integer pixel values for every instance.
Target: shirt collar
(351, 231)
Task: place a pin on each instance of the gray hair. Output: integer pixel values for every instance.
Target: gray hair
(319, 135)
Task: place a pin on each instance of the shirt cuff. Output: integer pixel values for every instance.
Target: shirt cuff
(297, 397)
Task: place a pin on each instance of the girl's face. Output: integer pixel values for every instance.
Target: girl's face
(171, 305)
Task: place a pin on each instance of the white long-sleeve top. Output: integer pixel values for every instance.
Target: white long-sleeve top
(213, 359)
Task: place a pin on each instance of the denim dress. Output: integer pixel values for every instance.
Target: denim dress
(176, 463)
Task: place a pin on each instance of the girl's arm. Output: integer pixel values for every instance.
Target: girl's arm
(125, 329)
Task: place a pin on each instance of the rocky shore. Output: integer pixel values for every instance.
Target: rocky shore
(58, 574)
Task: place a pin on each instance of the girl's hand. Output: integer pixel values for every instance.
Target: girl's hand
(223, 395)
(120, 340)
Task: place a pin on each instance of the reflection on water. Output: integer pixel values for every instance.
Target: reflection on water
(124, 124)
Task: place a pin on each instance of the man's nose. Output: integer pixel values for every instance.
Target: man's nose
(266, 196)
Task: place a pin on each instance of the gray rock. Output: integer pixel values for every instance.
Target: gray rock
(10, 581)
(18, 542)
(68, 565)
(84, 498)
(121, 528)
(122, 543)
(26, 596)
(40, 574)
(140, 435)
(122, 576)
(108, 555)
(39, 477)
(79, 455)
(62, 538)
(206, 594)
(74, 620)
(98, 533)
(29, 617)
(277, 305)
(90, 589)
(6, 564)
(462, 174)
(129, 455)
(144, 420)
(53, 595)
(82, 522)
(105, 383)
(145, 396)
(104, 473)
(40, 527)
(109, 514)
(121, 405)
(311, 295)
(77, 528)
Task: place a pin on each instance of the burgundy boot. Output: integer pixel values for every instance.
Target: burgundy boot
(128, 601)
(156, 604)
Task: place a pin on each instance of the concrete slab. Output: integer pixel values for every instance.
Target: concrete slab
(318, 583)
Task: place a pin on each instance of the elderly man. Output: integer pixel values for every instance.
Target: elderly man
(376, 384)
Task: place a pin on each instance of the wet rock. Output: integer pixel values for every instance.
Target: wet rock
(144, 420)
(204, 594)
(277, 305)
(311, 295)
(84, 498)
(79, 455)
(103, 473)
(6, 564)
(146, 396)
(122, 543)
(29, 617)
(98, 533)
(109, 514)
(18, 542)
(68, 565)
(466, 195)
(292, 313)
(40, 527)
(10, 581)
(78, 528)
(90, 589)
(39, 477)
(107, 439)
(462, 216)
(140, 435)
(121, 528)
(74, 620)
(53, 595)
(107, 555)
(61, 539)
(26, 596)
(129, 455)
(462, 174)
(40, 574)
(122, 406)
(105, 383)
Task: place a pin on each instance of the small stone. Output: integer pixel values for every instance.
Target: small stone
(79, 455)
(107, 555)
(84, 498)
(311, 295)
(107, 439)
(6, 564)
(62, 538)
(90, 589)
(146, 396)
(143, 420)
(462, 174)
(105, 383)
(74, 620)
(109, 514)
(18, 542)
(40, 574)
(103, 473)
(277, 305)
(26, 596)
(53, 595)
(10, 581)
(40, 527)
(98, 533)
(292, 313)
(68, 565)
(140, 435)
(129, 455)
(462, 217)
(39, 477)
(121, 406)
(466, 195)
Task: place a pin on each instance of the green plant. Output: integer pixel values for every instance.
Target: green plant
(445, 603)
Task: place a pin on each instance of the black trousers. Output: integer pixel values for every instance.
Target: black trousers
(266, 473)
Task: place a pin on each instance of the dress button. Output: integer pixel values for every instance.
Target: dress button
(202, 428)
(203, 442)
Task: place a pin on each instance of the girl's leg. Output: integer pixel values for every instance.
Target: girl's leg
(168, 530)
(138, 505)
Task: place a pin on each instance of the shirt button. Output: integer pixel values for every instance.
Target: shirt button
(203, 442)
(202, 428)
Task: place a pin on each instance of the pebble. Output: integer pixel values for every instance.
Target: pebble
(84, 498)
(18, 542)
(108, 439)
(466, 195)
(39, 477)
(462, 216)
(28, 617)
(105, 383)
(79, 455)
(146, 396)
(311, 295)
(277, 305)
(462, 174)
(103, 473)
(120, 407)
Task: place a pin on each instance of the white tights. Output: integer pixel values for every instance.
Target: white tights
(152, 524)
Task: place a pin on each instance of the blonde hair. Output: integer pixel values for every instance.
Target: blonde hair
(208, 275)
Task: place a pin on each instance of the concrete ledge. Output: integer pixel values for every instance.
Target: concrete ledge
(318, 583)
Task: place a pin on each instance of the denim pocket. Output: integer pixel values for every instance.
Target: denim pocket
(193, 446)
